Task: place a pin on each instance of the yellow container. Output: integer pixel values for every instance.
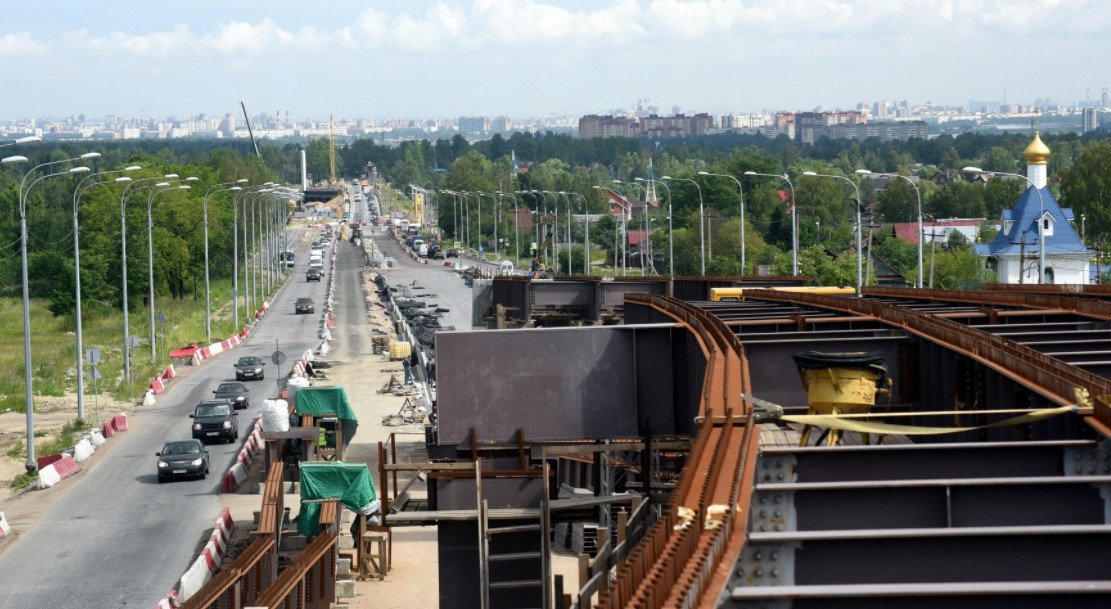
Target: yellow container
(400, 350)
(845, 390)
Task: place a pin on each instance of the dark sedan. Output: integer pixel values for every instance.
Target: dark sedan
(304, 305)
(236, 393)
(249, 367)
(313, 274)
(183, 459)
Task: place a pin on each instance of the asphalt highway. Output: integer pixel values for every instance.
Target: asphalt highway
(118, 538)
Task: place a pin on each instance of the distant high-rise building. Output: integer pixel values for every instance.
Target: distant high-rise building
(653, 126)
(1090, 119)
(645, 108)
(1105, 99)
(501, 124)
(473, 124)
(227, 126)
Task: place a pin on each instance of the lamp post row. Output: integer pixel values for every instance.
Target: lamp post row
(165, 183)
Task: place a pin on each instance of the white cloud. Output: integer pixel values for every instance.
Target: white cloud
(155, 44)
(20, 43)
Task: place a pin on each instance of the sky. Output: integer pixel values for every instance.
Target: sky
(449, 58)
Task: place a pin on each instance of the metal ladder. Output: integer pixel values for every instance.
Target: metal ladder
(486, 533)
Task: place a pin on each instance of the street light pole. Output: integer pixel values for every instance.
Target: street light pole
(741, 192)
(794, 217)
(701, 220)
(77, 193)
(207, 289)
(161, 187)
(1041, 216)
(859, 239)
(24, 191)
(670, 234)
(918, 208)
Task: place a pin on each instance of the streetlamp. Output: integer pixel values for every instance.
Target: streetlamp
(701, 220)
(741, 192)
(123, 263)
(237, 198)
(207, 292)
(23, 193)
(30, 139)
(1041, 215)
(794, 217)
(859, 240)
(159, 188)
(918, 194)
(77, 193)
(644, 195)
(617, 250)
(670, 233)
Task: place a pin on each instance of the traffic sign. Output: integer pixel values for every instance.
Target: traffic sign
(278, 357)
(132, 341)
(161, 318)
(92, 355)
(94, 372)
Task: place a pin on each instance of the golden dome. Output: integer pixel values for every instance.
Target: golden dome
(1037, 152)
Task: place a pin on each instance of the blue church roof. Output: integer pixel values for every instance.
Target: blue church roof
(1025, 215)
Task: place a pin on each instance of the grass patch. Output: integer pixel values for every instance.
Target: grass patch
(22, 481)
(16, 450)
(54, 348)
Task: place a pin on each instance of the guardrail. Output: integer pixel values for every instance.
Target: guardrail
(309, 582)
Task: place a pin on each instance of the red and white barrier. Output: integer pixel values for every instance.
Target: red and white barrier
(157, 386)
(236, 475)
(107, 429)
(57, 471)
(5, 528)
(120, 422)
(207, 562)
(169, 373)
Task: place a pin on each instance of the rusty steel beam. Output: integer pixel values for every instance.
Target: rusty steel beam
(1045, 375)
(692, 548)
(1051, 302)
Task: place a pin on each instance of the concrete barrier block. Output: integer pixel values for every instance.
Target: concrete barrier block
(343, 566)
(345, 542)
(345, 588)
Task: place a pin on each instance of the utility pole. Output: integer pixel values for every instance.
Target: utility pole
(933, 249)
(1022, 260)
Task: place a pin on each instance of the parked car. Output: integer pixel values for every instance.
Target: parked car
(304, 305)
(313, 274)
(436, 252)
(236, 393)
(182, 459)
(249, 367)
(215, 419)
(452, 252)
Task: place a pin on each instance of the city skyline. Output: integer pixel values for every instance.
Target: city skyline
(530, 58)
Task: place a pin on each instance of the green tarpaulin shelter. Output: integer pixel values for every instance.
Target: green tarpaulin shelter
(329, 402)
(349, 482)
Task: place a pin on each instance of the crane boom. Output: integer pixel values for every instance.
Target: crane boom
(250, 131)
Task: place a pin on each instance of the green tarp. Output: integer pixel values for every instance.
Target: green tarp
(349, 482)
(329, 401)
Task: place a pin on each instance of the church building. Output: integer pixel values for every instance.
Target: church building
(1037, 219)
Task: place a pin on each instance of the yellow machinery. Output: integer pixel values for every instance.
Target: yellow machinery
(720, 294)
(841, 383)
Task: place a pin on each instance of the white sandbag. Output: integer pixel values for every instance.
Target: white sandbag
(275, 416)
(83, 450)
(295, 383)
(148, 399)
(5, 528)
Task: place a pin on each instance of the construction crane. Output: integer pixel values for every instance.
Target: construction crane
(539, 270)
(332, 148)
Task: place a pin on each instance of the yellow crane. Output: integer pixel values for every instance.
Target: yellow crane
(332, 148)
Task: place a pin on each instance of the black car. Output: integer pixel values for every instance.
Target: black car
(314, 274)
(452, 252)
(249, 367)
(182, 459)
(215, 419)
(304, 305)
(236, 393)
(436, 252)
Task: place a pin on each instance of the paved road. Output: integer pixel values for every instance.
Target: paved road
(117, 538)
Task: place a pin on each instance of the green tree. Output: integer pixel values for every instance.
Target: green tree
(1086, 188)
